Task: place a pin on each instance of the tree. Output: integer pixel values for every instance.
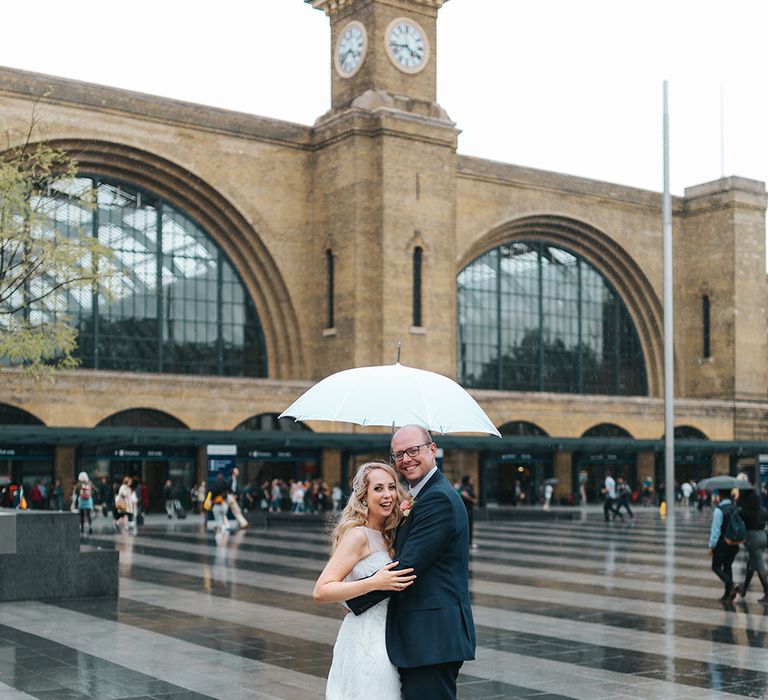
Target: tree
(46, 256)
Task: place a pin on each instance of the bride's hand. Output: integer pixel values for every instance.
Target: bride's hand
(387, 580)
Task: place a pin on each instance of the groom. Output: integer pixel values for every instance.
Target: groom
(430, 631)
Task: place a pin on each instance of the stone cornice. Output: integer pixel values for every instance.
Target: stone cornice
(331, 7)
(473, 168)
(78, 94)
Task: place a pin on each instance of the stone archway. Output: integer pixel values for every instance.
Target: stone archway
(610, 259)
(223, 222)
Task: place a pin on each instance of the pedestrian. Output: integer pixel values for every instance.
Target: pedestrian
(609, 498)
(275, 498)
(548, 489)
(58, 495)
(337, 495)
(754, 516)
(233, 501)
(125, 506)
(105, 494)
(36, 497)
(84, 495)
(297, 496)
(686, 489)
(722, 552)
(168, 498)
(623, 493)
(219, 506)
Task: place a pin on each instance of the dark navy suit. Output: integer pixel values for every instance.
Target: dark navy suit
(429, 625)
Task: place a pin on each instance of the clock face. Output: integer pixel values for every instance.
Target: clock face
(407, 45)
(350, 49)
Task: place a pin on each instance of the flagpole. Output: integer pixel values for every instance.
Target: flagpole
(669, 375)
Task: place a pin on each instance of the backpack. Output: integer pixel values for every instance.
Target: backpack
(734, 530)
(85, 491)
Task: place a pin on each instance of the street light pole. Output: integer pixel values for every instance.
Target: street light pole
(669, 345)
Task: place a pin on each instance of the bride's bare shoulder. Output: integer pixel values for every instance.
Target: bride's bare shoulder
(354, 536)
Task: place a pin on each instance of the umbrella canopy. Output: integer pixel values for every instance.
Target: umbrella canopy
(714, 483)
(393, 395)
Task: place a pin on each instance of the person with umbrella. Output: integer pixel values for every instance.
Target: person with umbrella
(723, 551)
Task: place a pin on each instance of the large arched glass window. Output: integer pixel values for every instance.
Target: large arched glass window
(536, 317)
(179, 306)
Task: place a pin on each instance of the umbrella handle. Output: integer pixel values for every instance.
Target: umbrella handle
(398, 353)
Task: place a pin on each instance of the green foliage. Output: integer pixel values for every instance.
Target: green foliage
(45, 255)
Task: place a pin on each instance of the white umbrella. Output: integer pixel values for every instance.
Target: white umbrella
(392, 395)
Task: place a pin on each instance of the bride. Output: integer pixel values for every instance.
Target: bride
(361, 562)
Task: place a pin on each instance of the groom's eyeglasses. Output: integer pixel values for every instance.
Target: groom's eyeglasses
(410, 451)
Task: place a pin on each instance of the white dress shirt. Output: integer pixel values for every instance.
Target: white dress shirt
(419, 484)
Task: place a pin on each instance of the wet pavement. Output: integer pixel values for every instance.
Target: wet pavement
(563, 609)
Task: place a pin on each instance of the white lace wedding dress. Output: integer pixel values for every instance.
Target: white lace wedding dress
(361, 669)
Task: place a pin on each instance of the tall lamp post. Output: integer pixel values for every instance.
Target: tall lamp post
(669, 345)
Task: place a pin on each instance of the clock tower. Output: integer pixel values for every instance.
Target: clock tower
(384, 191)
(383, 54)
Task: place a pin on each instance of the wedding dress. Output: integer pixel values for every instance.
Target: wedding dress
(361, 668)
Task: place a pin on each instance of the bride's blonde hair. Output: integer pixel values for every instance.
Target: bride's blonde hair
(355, 513)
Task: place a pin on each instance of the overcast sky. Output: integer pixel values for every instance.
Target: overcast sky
(573, 87)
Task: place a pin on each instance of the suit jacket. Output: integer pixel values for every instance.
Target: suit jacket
(431, 621)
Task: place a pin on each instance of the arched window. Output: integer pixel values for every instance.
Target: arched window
(607, 430)
(688, 432)
(270, 421)
(10, 415)
(536, 317)
(179, 305)
(522, 427)
(141, 418)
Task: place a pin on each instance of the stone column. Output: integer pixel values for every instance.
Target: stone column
(202, 464)
(721, 463)
(64, 466)
(460, 463)
(563, 472)
(646, 467)
(330, 467)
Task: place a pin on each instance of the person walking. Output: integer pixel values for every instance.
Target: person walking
(168, 498)
(623, 493)
(548, 490)
(105, 495)
(686, 489)
(754, 516)
(722, 552)
(609, 498)
(125, 506)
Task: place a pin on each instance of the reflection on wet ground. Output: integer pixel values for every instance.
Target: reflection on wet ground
(563, 609)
